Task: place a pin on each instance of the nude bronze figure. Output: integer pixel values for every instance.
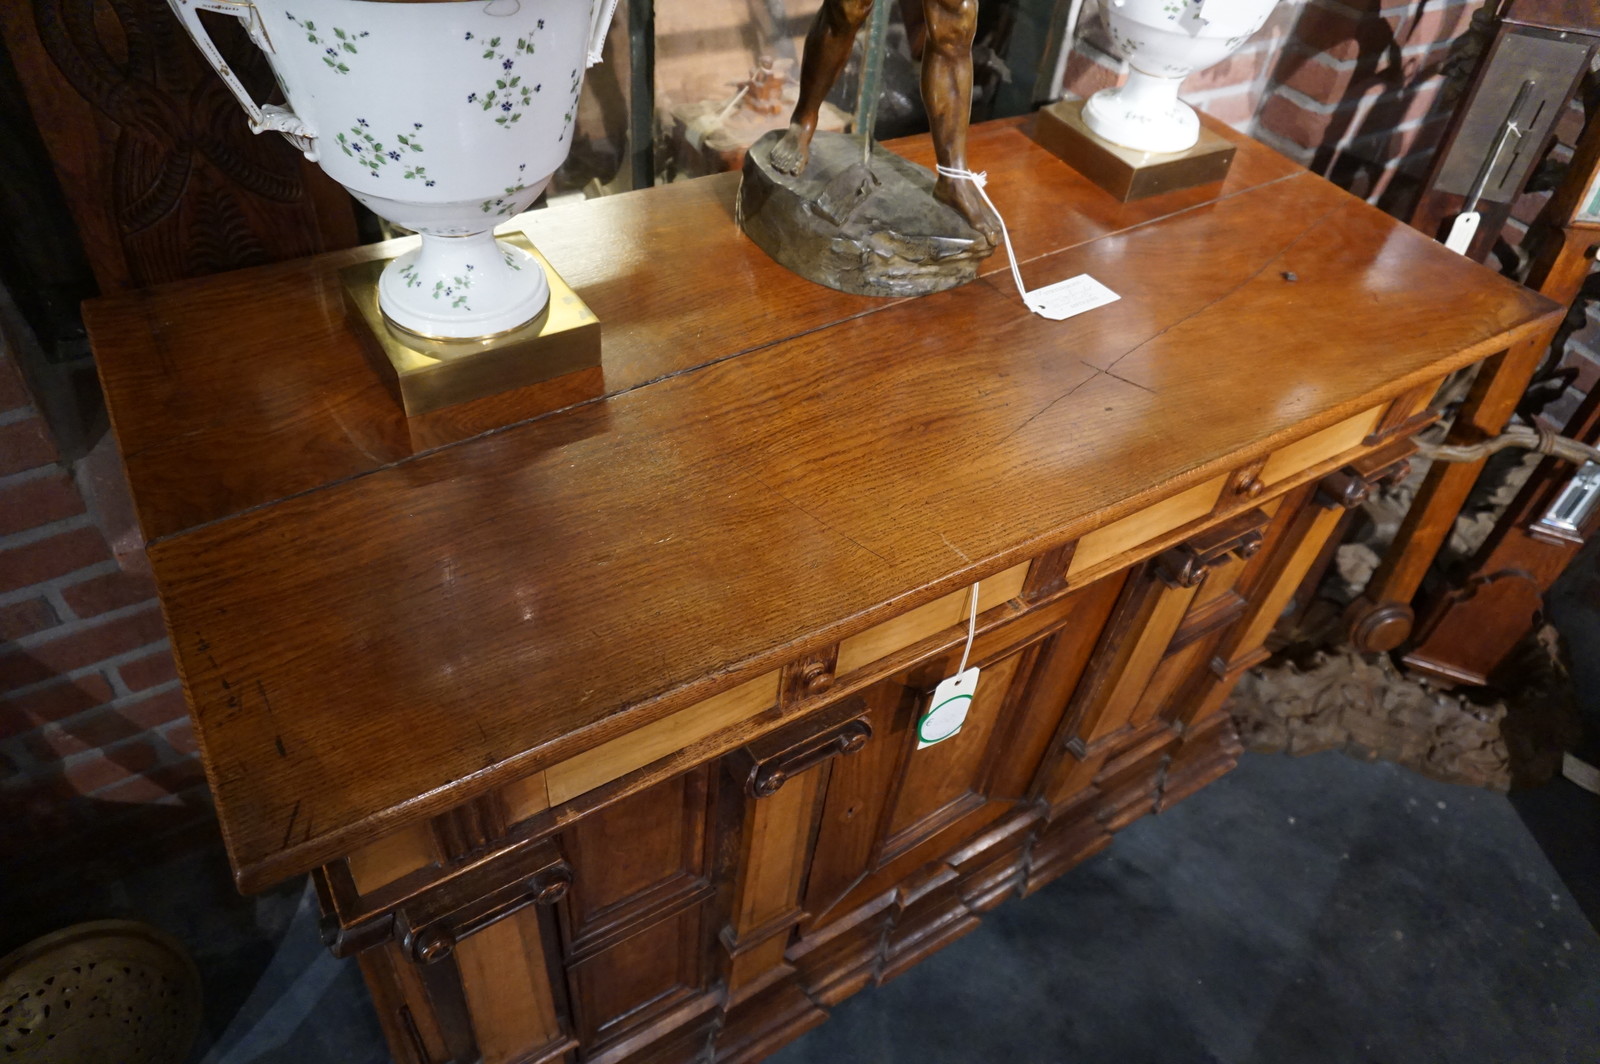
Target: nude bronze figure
(946, 93)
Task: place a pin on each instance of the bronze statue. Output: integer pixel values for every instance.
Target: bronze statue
(946, 93)
(844, 211)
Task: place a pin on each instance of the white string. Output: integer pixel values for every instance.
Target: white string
(981, 179)
(972, 629)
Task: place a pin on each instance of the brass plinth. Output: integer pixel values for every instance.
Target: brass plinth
(1126, 173)
(429, 374)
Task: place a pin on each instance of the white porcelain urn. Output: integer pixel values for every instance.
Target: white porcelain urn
(444, 117)
(1164, 41)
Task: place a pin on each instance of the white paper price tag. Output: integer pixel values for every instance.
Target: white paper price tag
(1462, 230)
(1075, 295)
(1058, 301)
(947, 709)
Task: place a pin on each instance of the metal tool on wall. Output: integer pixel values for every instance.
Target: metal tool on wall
(1465, 227)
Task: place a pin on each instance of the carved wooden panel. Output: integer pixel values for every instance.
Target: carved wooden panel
(394, 855)
(1320, 446)
(942, 781)
(857, 794)
(900, 632)
(1144, 525)
(640, 979)
(1299, 530)
(635, 928)
(774, 847)
(891, 809)
(774, 787)
(635, 856)
(163, 176)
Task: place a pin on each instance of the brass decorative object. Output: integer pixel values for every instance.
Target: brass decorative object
(104, 992)
(1127, 173)
(427, 374)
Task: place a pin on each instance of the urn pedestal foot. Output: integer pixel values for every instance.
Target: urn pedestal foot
(1144, 114)
(426, 374)
(469, 287)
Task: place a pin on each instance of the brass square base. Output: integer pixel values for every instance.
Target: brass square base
(1124, 172)
(429, 374)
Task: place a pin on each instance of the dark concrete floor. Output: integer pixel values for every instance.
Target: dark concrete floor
(1300, 911)
(1308, 910)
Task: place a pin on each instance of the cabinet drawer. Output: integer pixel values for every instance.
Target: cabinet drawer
(884, 639)
(1347, 435)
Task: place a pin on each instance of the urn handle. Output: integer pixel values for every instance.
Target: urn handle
(603, 12)
(270, 117)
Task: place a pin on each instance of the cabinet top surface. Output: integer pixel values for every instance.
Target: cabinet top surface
(375, 618)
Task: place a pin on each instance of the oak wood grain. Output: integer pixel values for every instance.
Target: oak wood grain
(214, 418)
(775, 467)
(508, 989)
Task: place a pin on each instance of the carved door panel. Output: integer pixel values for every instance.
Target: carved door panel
(635, 926)
(1297, 537)
(1115, 741)
(893, 809)
(885, 813)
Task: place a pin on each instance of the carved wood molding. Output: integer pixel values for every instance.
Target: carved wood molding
(1245, 483)
(1048, 573)
(1209, 618)
(766, 765)
(1188, 563)
(807, 677)
(1350, 486)
(471, 826)
(427, 920)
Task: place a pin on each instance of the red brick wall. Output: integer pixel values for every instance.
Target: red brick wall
(92, 720)
(1349, 88)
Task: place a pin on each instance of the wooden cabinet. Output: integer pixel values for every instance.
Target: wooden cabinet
(717, 912)
(592, 706)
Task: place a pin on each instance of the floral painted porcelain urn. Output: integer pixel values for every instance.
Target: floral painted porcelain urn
(444, 117)
(1164, 41)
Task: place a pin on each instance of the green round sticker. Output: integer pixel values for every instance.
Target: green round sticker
(944, 719)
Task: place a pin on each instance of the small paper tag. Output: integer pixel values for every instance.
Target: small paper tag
(1462, 230)
(947, 709)
(1582, 773)
(1075, 295)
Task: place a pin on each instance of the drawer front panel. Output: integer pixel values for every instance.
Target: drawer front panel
(1347, 435)
(1145, 525)
(884, 639)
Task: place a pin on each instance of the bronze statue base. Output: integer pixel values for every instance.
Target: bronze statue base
(870, 230)
(1124, 172)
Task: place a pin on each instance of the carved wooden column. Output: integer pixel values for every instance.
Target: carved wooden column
(1115, 742)
(781, 780)
(1470, 630)
(1382, 618)
(468, 951)
(1293, 555)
